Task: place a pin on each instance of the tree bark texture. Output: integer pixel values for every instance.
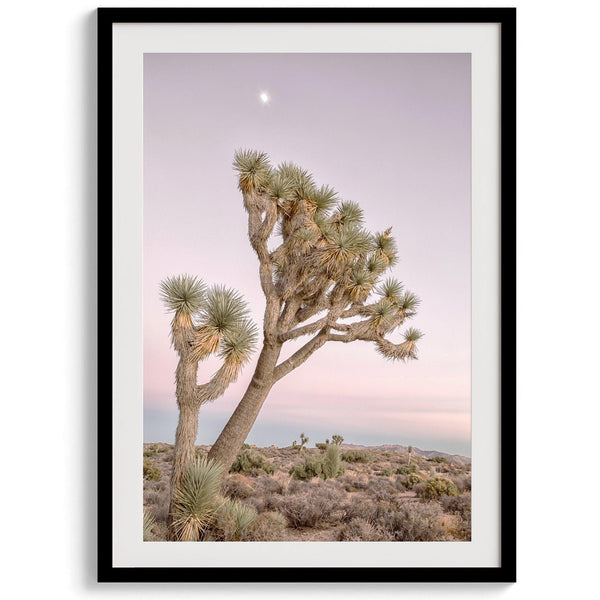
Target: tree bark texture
(238, 427)
(187, 427)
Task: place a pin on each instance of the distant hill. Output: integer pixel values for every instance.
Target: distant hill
(452, 458)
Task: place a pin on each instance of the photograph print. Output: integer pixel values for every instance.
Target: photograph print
(307, 297)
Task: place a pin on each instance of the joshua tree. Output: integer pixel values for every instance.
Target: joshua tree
(205, 322)
(303, 442)
(409, 454)
(337, 439)
(324, 271)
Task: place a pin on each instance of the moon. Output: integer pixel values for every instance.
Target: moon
(264, 97)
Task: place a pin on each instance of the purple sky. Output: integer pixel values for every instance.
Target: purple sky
(390, 131)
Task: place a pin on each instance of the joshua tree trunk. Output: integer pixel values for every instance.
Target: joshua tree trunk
(185, 440)
(238, 427)
(187, 427)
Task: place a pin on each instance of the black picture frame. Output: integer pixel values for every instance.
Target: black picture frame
(506, 17)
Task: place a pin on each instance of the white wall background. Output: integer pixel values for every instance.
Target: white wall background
(47, 308)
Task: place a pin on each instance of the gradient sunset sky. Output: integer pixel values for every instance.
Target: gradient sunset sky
(390, 131)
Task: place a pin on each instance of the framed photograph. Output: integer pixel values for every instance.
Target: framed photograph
(307, 238)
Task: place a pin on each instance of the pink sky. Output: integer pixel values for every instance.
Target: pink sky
(390, 131)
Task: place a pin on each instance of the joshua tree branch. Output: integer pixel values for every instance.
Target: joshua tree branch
(305, 330)
(300, 356)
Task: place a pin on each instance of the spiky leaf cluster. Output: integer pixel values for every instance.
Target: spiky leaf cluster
(326, 263)
(210, 321)
(195, 499)
(183, 293)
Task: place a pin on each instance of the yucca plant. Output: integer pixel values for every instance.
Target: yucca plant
(206, 321)
(148, 525)
(322, 280)
(195, 500)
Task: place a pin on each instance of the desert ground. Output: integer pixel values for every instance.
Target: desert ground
(372, 494)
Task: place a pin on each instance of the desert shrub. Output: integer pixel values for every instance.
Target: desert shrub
(432, 472)
(151, 497)
(360, 530)
(161, 511)
(437, 459)
(407, 470)
(233, 520)
(311, 508)
(267, 527)
(321, 446)
(269, 485)
(438, 487)
(151, 450)
(237, 487)
(195, 499)
(151, 473)
(309, 468)
(365, 508)
(332, 462)
(354, 483)
(462, 482)
(419, 488)
(250, 462)
(416, 522)
(459, 505)
(357, 456)
(148, 525)
(257, 503)
(386, 473)
(399, 485)
(381, 488)
(411, 480)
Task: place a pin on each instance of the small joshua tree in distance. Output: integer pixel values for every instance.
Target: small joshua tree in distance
(326, 269)
(410, 449)
(303, 441)
(205, 322)
(337, 439)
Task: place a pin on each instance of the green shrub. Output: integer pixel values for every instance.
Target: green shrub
(438, 459)
(233, 520)
(357, 456)
(386, 473)
(332, 462)
(407, 470)
(151, 450)
(411, 480)
(311, 467)
(249, 461)
(327, 466)
(196, 499)
(321, 445)
(438, 487)
(151, 473)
